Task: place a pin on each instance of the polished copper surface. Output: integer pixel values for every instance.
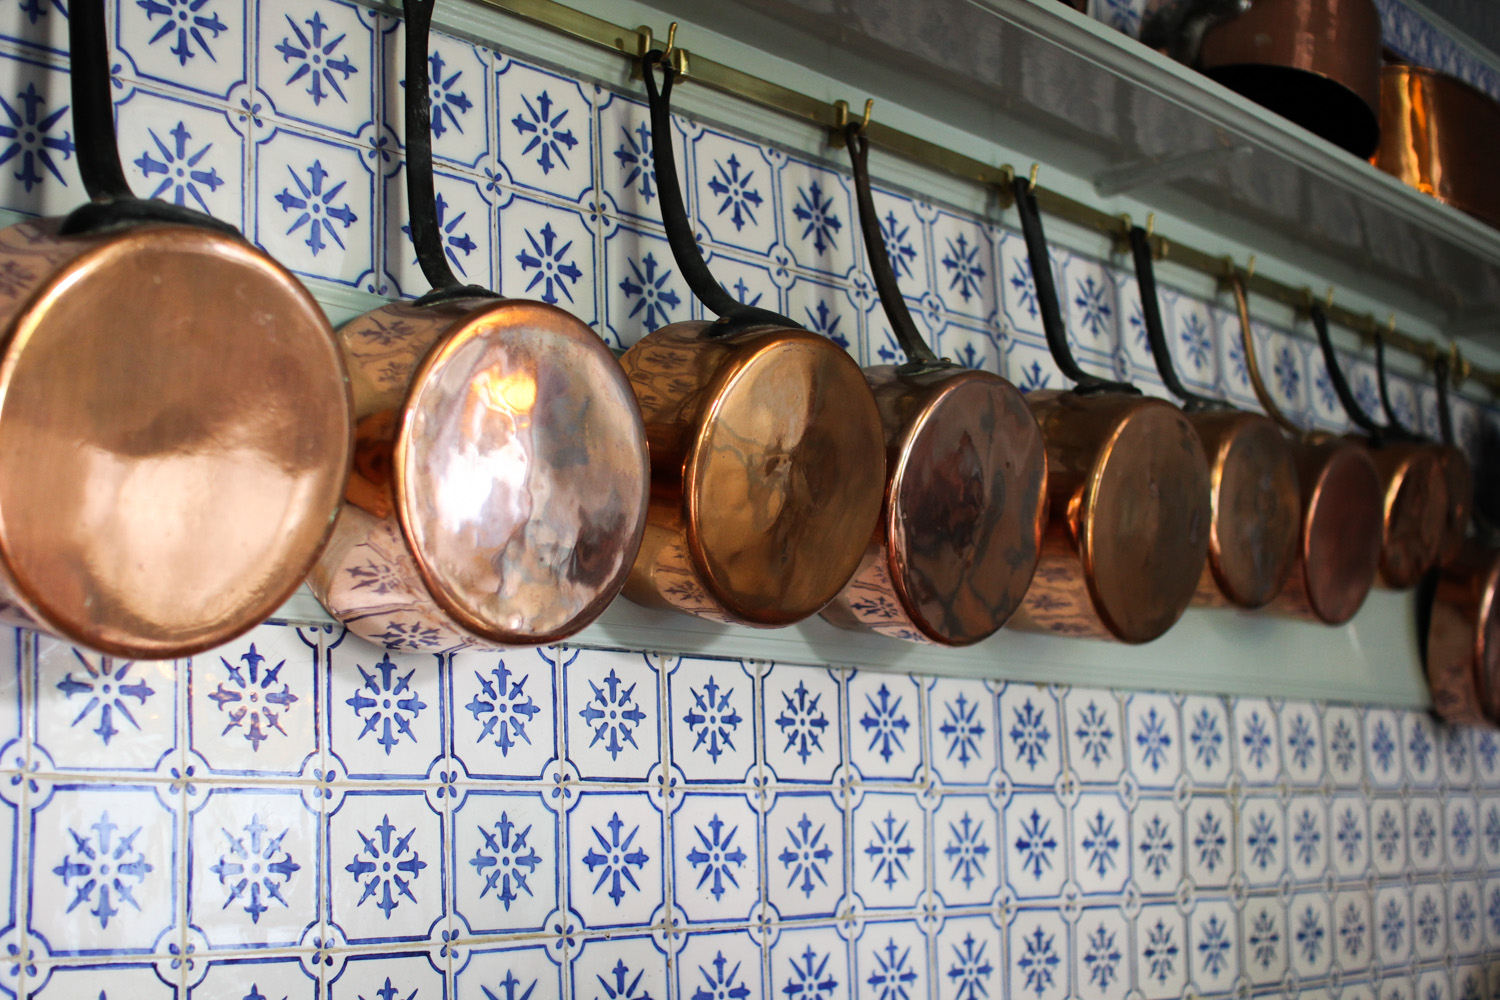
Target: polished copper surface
(1257, 508)
(1415, 491)
(1315, 62)
(1458, 478)
(1128, 493)
(965, 507)
(500, 477)
(767, 472)
(1441, 136)
(174, 435)
(1462, 643)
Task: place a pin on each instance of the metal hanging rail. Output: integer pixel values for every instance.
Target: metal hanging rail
(633, 43)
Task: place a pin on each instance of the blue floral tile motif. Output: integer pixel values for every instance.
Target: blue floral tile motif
(1101, 843)
(1353, 940)
(1419, 749)
(1301, 743)
(1192, 342)
(889, 851)
(720, 965)
(505, 859)
(316, 63)
(1039, 964)
(40, 24)
(1424, 834)
(1264, 939)
(642, 287)
(38, 163)
(826, 309)
(1153, 740)
(1309, 924)
(713, 732)
(1488, 821)
(1343, 755)
(804, 854)
(1308, 839)
(1207, 748)
(98, 713)
(503, 709)
(545, 131)
(734, 193)
(1213, 949)
(385, 871)
(314, 207)
(620, 969)
(1429, 920)
(457, 86)
(1456, 752)
(801, 714)
(1102, 957)
(385, 711)
(611, 714)
(1031, 744)
(615, 860)
(1096, 744)
(890, 961)
(1036, 859)
(1263, 841)
(1257, 753)
(1463, 917)
(1461, 829)
(252, 705)
(885, 739)
(627, 176)
(197, 45)
(965, 850)
(1349, 846)
(967, 959)
(905, 235)
(182, 153)
(508, 971)
(1089, 304)
(1161, 951)
(1157, 859)
(716, 861)
(817, 218)
(961, 731)
(811, 963)
(1392, 925)
(1387, 836)
(463, 216)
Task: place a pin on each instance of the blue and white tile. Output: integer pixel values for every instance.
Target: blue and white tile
(961, 731)
(1388, 848)
(134, 979)
(1489, 832)
(408, 976)
(1191, 333)
(1096, 742)
(279, 976)
(1153, 740)
(102, 714)
(1490, 904)
(1343, 753)
(253, 703)
(1461, 830)
(964, 267)
(182, 153)
(385, 710)
(1361, 377)
(905, 231)
(1465, 922)
(505, 861)
(750, 282)
(716, 869)
(1100, 836)
(615, 864)
(1309, 841)
(1209, 839)
(811, 962)
(504, 708)
(1039, 955)
(1122, 15)
(37, 136)
(971, 345)
(1031, 738)
(620, 967)
(1207, 747)
(1354, 932)
(1433, 985)
(966, 850)
(717, 965)
(1391, 920)
(1264, 940)
(1018, 288)
(39, 25)
(505, 971)
(1234, 373)
(885, 735)
(1089, 306)
(804, 841)
(1349, 845)
(801, 724)
(315, 207)
(817, 222)
(1469, 982)
(1102, 958)
(1424, 834)
(888, 841)
(547, 252)
(385, 867)
(1213, 946)
(710, 703)
(1301, 743)
(1256, 742)
(193, 46)
(642, 288)
(627, 174)
(1157, 862)
(457, 87)
(1284, 367)
(967, 959)
(545, 130)
(612, 714)
(1383, 741)
(1326, 410)
(1310, 927)
(1161, 956)
(316, 62)
(1419, 749)
(1429, 909)
(1036, 845)
(465, 230)
(1262, 841)
(1029, 365)
(735, 192)
(1456, 753)
(890, 960)
(827, 309)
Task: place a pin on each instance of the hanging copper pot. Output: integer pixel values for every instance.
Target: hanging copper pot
(1252, 547)
(1127, 487)
(174, 414)
(500, 476)
(965, 495)
(767, 455)
(1414, 485)
(1338, 545)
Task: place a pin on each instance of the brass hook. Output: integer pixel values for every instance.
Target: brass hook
(1032, 181)
(1328, 299)
(864, 122)
(1150, 224)
(1460, 368)
(841, 121)
(666, 53)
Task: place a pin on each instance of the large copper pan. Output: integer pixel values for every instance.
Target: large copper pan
(1414, 485)
(1442, 137)
(174, 414)
(500, 476)
(767, 455)
(1252, 546)
(1127, 487)
(1338, 545)
(966, 481)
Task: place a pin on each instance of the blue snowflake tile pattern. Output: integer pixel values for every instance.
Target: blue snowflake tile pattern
(315, 206)
(1234, 374)
(1040, 957)
(505, 861)
(642, 289)
(966, 850)
(1153, 740)
(1301, 743)
(1161, 951)
(403, 977)
(1310, 926)
(711, 704)
(503, 706)
(1089, 305)
(1309, 839)
(385, 867)
(804, 838)
(315, 62)
(618, 969)
(545, 130)
(1263, 845)
(1031, 738)
(458, 86)
(253, 867)
(611, 714)
(106, 855)
(1100, 837)
(1264, 940)
(1018, 288)
(884, 724)
(1488, 822)
(547, 252)
(734, 192)
(716, 868)
(507, 972)
(114, 979)
(801, 719)
(964, 264)
(385, 710)
(627, 176)
(615, 861)
(252, 704)
(102, 714)
(1349, 842)
(182, 153)
(961, 731)
(1191, 337)
(1095, 734)
(1158, 852)
(1424, 834)
(1429, 921)
(719, 965)
(1353, 933)
(1489, 903)
(186, 44)
(1213, 946)
(1388, 849)
(1257, 750)
(1419, 750)
(972, 345)
(465, 220)
(828, 309)
(40, 25)
(811, 964)
(1456, 754)
(1101, 958)
(1465, 921)
(818, 223)
(1209, 840)
(1343, 747)
(967, 959)
(1392, 925)
(751, 282)
(1461, 828)
(904, 228)
(890, 961)
(1036, 845)
(1029, 365)
(39, 175)
(889, 849)
(1207, 745)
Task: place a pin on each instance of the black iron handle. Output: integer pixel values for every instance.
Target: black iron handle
(674, 212)
(1336, 375)
(1394, 426)
(1156, 334)
(1046, 296)
(1441, 373)
(902, 324)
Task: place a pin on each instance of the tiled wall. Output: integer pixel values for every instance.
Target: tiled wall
(299, 812)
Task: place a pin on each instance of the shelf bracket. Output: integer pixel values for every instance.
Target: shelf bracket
(1129, 176)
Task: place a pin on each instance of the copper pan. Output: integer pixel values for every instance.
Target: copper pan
(1252, 546)
(500, 475)
(767, 458)
(1128, 493)
(1441, 136)
(1338, 544)
(174, 414)
(1414, 484)
(966, 482)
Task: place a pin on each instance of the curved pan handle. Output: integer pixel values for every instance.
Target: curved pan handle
(1351, 405)
(734, 315)
(918, 354)
(1252, 362)
(1156, 334)
(1046, 297)
(1441, 373)
(1394, 426)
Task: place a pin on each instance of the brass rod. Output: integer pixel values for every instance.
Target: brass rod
(823, 114)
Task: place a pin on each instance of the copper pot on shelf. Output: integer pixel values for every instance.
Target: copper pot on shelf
(965, 497)
(500, 475)
(174, 414)
(1256, 501)
(767, 454)
(1127, 487)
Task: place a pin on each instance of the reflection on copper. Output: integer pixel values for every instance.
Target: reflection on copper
(1415, 491)
(1461, 647)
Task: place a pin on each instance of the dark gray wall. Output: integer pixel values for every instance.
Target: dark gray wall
(1479, 19)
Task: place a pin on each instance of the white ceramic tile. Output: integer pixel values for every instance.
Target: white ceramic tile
(1311, 927)
(1102, 959)
(1263, 841)
(458, 87)
(1424, 834)
(385, 867)
(506, 860)
(826, 308)
(1388, 836)
(1096, 743)
(1350, 842)
(968, 959)
(1256, 744)
(611, 714)
(735, 192)
(1031, 738)
(1309, 840)
(1161, 951)
(885, 738)
(510, 970)
(627, 176)
(465, 231)
(615, 863)
(1154, 740)
(716, 867)
(813, 962)
(1038, 950)
(1419, 748)
(961, 733)
(642, 289)
(545, 130)
(385, 710)
(102, 714)
(1208, 749)
(315, 206)
(1342, 745)
(1158, 857)
(889, 850)
(1036, 845)
(966, 850)
(504, 710)
(194, 46)
(890, 958)
(1101, 843)
(720, 965)
(1354, 936)
(183, 153)
(801, 723)
(817, 221)
(1264, 934)
(1210, 841)
(712, 719)
(252, 704)
(37, 139)
(970, 344)
(805, 854)
(1214, 946)
(316, 63)
(624, 967)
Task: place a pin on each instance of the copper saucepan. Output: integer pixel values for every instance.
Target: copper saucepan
(500, 475)
(965, 496)
(1252, 546)
(767, 455)
(1127, 488)
(1338, 545)
(174, 414)
(1414, 484)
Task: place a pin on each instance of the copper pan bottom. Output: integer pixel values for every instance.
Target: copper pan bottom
(1462, 644)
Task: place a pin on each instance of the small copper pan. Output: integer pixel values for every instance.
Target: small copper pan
(965, 496)
(1338, 545)
(1252, 547)
(767, 454)
(1414, 484)
(500, 475)
(174, 414)
(1127, 487)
